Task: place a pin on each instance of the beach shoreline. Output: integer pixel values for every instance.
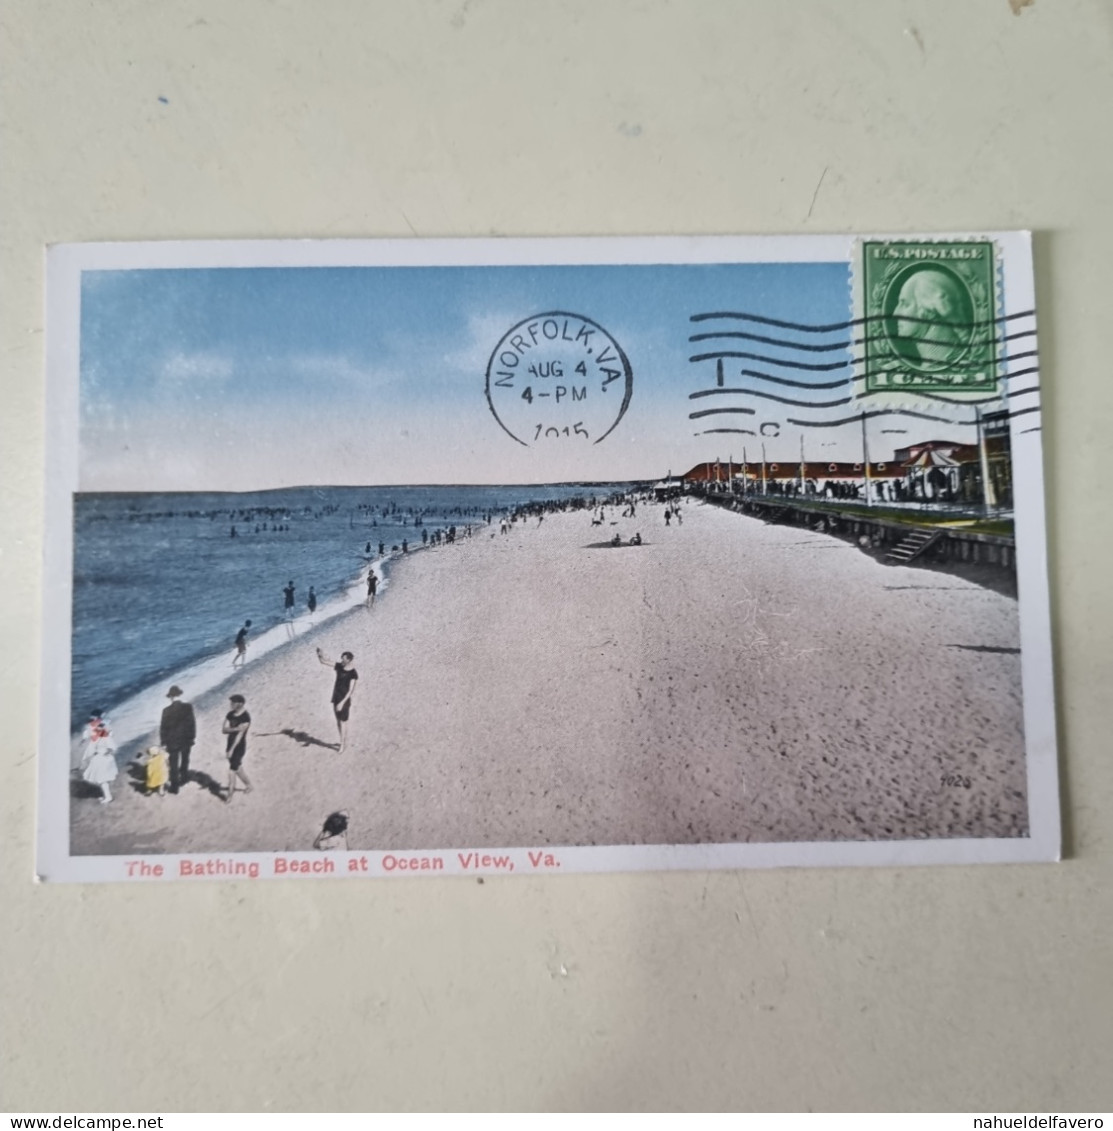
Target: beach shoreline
(725, 681)
(162, 583)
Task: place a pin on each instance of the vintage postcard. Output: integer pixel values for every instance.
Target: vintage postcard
(394, 558)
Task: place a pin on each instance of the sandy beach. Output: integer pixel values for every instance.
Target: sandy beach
(726, 681)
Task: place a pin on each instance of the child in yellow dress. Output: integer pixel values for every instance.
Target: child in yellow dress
(158, 770)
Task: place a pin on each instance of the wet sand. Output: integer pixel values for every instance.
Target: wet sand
(725, 681)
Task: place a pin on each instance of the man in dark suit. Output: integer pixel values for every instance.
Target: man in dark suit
(177, 733)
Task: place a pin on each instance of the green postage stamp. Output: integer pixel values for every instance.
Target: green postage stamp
(930, 316)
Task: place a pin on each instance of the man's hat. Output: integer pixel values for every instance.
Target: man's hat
(174, 690)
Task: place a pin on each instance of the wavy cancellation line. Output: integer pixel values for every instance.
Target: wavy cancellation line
(751, 432)
(870, 414)
(832, 327)
(828, 347)
(830, 366)
(979, 401)
(865, 414)
(1009, 395)
(764, 397)
(938, 398)
(851, 379)
(812, 366)
(788, 381)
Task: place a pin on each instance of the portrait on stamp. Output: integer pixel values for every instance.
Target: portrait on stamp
(931, 315)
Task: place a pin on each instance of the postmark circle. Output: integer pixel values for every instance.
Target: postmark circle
(929, 315)
(558, 377)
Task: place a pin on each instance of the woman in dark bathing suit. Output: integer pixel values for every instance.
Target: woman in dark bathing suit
(346, 679)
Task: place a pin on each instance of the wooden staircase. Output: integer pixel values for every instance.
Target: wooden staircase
(912, 546)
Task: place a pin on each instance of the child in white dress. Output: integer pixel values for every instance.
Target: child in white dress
(98, 763)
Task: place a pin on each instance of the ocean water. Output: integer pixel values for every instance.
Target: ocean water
(161, 584)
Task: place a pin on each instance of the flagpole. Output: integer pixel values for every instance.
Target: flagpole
(988, 495)
(866, 460)
(764, 482)
(745, 470)
(801, 465)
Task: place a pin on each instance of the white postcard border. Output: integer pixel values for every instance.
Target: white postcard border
(65, 263)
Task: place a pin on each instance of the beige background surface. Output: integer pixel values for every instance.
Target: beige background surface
(949, 988)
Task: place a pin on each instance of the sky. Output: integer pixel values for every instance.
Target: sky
(252, 378)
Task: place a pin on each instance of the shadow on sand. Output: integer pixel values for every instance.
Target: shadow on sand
(986, 648)
(137, 775)
(301, 737)
(82, 790)
(206, 782)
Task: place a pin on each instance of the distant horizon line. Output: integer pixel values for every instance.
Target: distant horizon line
(367, 487)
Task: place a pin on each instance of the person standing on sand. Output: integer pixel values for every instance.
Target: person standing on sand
(156, 764)
(177, 733)
(372, 586)
(235, 727)
(346, 679)
(288, 594)
(311, 601)
(240, 657)
(98, 763)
